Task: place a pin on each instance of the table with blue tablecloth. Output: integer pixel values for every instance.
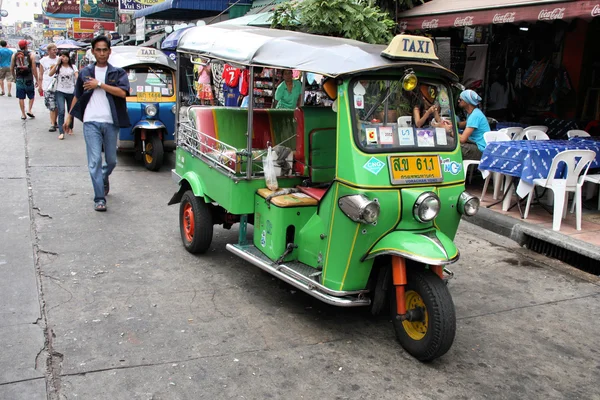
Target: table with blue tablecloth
(529, 160)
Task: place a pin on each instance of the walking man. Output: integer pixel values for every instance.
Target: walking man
(99, 102)
(24, 72)
(5, 73)
(49, 96)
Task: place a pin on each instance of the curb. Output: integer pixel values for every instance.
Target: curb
(520, 231)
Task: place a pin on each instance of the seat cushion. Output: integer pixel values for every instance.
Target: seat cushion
(288, 200)
(315, 193)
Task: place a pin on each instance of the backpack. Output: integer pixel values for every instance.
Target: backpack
(22, 63)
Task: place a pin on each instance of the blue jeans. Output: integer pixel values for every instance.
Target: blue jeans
(61, 98)
(96, 134)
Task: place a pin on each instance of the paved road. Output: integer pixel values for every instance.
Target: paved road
(110, 306)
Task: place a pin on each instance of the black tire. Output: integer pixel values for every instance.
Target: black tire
(433, 335)
(195, 223)
(154, 153)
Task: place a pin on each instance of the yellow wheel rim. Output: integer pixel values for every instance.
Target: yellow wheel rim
(415, 329)
(149, 149)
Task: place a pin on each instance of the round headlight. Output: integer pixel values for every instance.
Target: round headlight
(151, 110)
(174, 109)
(468, 204)
(409, 83)
(359, 208)
(426, 207)
(370, 212)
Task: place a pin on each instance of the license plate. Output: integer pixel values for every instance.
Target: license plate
(148, 96)
(415, 169)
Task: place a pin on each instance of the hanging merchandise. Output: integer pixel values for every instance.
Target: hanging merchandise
(217, 80)
(535, 74)
(231, 94)
(244, 82)
(231, 75)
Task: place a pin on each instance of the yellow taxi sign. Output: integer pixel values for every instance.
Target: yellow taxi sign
(147, 53)
(408, 46)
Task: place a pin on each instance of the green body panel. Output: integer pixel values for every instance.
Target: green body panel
(351, 160)
(322, 155)
(348, 241)
(283, 127)
(271, 226)
(417, 244)
(319, 118)
(312, 243)
(231, 125)
(235, 196)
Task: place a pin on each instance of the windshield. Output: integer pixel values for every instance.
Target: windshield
(390, 119)
(155, 80)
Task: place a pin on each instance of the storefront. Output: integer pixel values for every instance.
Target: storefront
(542, 53)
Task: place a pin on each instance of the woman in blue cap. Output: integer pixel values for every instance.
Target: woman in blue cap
(471, 140)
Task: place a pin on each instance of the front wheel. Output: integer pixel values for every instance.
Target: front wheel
(429, 331)
(154, 153)
(195, 223)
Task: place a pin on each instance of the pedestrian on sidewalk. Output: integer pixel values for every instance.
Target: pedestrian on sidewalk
(49, 95)
(24, 73)
(99, 102)
(65, 87)
(5, 73)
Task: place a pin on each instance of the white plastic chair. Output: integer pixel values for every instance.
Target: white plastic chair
(467, 164)
(489, 137)
(576, 161)
(593, 178)
(577, 133)
(512, 131)
(542, 128)
(534, 134)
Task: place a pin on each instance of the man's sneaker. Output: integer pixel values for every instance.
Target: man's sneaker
(53, 128)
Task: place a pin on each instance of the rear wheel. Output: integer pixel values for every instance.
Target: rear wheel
(154, 153)
(195, 223)
(429, 331)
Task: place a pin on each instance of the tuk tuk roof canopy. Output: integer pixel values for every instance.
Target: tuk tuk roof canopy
(127, 56)
(276, 48)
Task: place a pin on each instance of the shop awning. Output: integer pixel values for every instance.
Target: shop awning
(185, 10)
(456, 13)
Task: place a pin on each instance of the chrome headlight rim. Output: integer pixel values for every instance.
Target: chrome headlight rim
(151, 110)
(463, 204)
(359, 208)
(417, 211)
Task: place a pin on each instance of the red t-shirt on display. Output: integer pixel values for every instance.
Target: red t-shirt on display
(231, 75)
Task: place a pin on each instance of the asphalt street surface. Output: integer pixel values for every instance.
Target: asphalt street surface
(110, 305)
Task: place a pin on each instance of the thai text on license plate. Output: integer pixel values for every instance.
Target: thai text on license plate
(148, 96)
(415, 169)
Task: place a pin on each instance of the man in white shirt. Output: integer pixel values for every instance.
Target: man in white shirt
(44, 69)
(100, 103)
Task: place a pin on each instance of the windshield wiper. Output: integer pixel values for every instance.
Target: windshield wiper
(158, 76)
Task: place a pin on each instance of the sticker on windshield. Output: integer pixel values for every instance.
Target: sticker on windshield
(405, 137)
(165, 91)
(371, 135)
(359, 102)
(425, 138)
(140, 88)
(386, 135)
(440, 136)
(374, 166)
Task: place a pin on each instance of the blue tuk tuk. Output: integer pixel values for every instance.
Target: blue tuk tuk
(151, 103)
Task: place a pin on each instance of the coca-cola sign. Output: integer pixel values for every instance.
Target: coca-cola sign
(596, 10)
(464, 21)
(504, 18)
(431, 24)
(549, 15)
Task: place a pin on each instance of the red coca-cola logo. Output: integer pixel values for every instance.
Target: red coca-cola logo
(596, 10)
(504, 18)
(548, 15)
(465, 21)
(431, 24)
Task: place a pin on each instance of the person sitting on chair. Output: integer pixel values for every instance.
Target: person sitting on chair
(472, 143)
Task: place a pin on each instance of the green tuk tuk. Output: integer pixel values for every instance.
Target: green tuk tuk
(367, 204)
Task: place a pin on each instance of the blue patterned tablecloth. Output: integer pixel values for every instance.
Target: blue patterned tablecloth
(530, 159)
